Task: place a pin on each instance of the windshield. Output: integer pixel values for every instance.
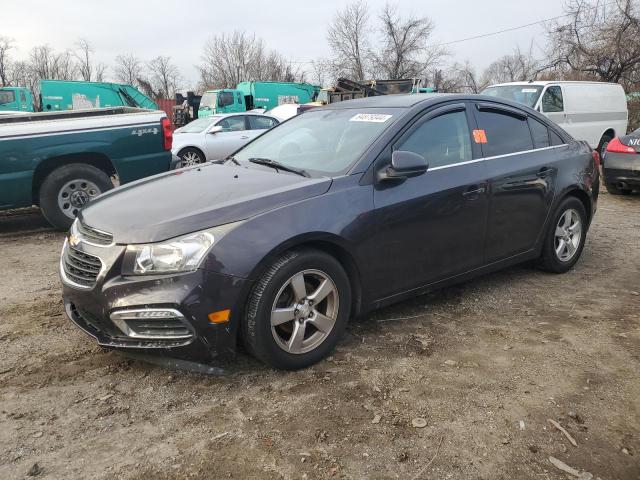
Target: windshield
(7, 96)
(198, 126)
(321, 141)
(525, 93)
(208, 101)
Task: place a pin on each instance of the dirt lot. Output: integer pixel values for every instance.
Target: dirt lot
(485, 364)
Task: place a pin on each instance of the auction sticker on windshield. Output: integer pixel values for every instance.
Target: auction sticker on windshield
(370, 117)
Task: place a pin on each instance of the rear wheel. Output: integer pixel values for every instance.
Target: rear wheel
(67, 189)
(565, 236)
(190, 157)
(298, 310)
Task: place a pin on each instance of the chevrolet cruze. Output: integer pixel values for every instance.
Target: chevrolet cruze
(336, 212)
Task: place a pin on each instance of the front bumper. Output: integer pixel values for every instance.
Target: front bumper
(193, 296)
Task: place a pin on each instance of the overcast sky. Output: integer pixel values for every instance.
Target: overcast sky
(295, 29)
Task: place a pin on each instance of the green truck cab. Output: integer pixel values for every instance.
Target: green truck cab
(60, 161)
(62, 95)
(251, 95)
(16, 99)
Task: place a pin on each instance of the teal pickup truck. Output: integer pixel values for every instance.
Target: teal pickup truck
(61, 161)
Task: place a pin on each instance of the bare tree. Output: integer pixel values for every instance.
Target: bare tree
(459, 78)
(101, 72)
(228, 59)
(83, 59)
(405, 52)
(6, 44)
(348, 37)
(515, 67)
(597, 42)
(128, 69)
(164, 76)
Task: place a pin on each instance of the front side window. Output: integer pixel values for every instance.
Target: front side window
(443, 140)
(552, 100)
(505, 133)
(322, 141)
(225, 99)
(7, 96)
(261, 123)
(197, 126)
(232, 124)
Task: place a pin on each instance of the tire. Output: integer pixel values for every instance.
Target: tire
(550, 259)
(279, 346)
(77, 182)
(191, 156)
(602, 146)
(613, 190)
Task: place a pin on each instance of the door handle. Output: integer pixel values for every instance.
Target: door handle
(474, 191)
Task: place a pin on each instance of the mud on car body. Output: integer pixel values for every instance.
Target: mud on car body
(331, 214)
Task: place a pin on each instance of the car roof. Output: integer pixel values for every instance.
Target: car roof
(224, 115)
(542, 83)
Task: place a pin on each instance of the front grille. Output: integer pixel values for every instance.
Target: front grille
(81, 268)
(94, 236)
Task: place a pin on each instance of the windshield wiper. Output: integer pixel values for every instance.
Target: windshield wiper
(232, 158)
(279, 166)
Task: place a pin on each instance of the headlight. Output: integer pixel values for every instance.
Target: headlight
(181, 254)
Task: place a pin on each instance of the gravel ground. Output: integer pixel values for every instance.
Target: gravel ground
(457, 384)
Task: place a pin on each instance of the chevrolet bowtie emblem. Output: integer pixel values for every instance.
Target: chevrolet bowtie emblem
(73, 240)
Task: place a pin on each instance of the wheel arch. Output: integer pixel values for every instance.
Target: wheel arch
(328, 243)
(48, 165)
(581, 195)
(193, 147)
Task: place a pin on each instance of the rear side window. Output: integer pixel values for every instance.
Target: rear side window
(261, 123)
(443, 140)
(232, 124)
(539, 132)
(552, 100)
(556, 139)
(505, 133)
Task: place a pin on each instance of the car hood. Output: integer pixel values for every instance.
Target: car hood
(186, 200)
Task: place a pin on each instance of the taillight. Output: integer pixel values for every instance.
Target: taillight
(616, 146)
(596, 157)
(167, 134)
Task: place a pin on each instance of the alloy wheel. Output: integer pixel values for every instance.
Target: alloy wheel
(304, 312)
(568, 235)
(190, 159)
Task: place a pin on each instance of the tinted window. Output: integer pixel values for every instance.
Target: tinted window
(7, 96)
(556, 139)
(225, 99)
(441, 141)
(552, 100)
(539, 132)
(505, 133)
(261, 123)
(232, 124)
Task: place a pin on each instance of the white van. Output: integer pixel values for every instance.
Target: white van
(591, 111)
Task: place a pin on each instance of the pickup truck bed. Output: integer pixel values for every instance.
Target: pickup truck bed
(62, 160)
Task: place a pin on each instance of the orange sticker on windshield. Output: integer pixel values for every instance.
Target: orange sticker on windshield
(480, 136)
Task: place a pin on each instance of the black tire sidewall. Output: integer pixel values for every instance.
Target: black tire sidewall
(603, 140)
(550, 259)
(55, 181)
(257, 320)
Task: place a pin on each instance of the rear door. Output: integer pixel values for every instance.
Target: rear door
(432, 226)
(520, 165)
(234, 134)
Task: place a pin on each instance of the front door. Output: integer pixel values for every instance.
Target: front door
(432, 226)
(234, 134)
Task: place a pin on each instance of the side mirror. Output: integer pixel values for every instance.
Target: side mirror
(215, 129)
(403, 165)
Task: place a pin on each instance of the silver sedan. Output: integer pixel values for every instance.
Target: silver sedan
(218, 136)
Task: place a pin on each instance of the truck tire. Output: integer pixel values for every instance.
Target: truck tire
(67, 189)
(298, 310)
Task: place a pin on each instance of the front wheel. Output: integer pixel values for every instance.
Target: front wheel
(67, 189)
(565, 236)
(190, 157)
(298, 310)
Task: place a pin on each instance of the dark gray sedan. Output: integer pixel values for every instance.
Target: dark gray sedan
(334, 213)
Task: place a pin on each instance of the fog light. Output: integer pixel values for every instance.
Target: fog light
(152, 323)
